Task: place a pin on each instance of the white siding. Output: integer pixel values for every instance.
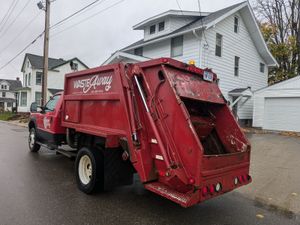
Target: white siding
(171, 24)
(287, 89)
(163, 49)
(176, 23)
(234, 44)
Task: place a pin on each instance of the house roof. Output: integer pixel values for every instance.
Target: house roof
(246, 92)
(209, 20)
(54, 91)
(177, 13)
(13, 84)
(119, 54)
(7, 99)
(282, 84)
(37, 62)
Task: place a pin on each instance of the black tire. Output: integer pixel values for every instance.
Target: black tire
(33, 146)
(93, 181)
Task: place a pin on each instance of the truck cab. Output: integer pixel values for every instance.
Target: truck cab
(45, 124)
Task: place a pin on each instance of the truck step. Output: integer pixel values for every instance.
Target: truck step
(183, 199)
(69, 154)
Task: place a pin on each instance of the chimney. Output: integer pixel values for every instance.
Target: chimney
(18, 78)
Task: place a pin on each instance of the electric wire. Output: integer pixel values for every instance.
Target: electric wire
(10, 11)
(75, 13)
(87, 18)
(14, 20)
(27, 46)
(20, 33)
(56, 24)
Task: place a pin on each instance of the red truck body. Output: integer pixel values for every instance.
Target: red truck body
(169, 120)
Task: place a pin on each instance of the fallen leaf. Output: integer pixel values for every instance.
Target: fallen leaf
(260, 216)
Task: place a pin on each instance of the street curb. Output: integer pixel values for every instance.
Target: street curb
(15, 123)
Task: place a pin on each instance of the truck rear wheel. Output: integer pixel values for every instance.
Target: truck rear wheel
(33, 146)
(89, 170)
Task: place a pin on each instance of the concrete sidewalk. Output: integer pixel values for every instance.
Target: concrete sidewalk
(275, 169)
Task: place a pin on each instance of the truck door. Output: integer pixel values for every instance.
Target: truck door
(48, 123)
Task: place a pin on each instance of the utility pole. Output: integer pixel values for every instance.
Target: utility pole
(46, 49)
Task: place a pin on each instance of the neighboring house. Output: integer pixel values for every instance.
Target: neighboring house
(8, 93)
(228, 41)
(32, 69)
(277, 107)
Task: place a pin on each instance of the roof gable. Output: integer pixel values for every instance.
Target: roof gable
(170, 13)
(213, 18)
(37, 62)
(13, 84)
(292, 83)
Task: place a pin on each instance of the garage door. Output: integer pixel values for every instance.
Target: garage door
(282, 114)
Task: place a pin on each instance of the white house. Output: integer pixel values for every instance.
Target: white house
(32, 69)
(228, 41)
(8, 91)
(277, 107)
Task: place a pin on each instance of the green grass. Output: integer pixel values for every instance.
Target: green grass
(6, 115)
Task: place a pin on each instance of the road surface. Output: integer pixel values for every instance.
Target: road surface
(39, 188)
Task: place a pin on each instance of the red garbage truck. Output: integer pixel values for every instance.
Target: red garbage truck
(163, 119)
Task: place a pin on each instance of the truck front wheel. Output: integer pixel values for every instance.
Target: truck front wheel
(33, 146)
(89, 170)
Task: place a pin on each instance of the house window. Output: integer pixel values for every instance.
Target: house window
(161, 26)
(29, 79)
(236, 65)
(177, 46)
(138, 51)
(3, 94)
(38, 97)
(152, 29)
(219, 42)
(262, 67)
(4, 87)
(74, 66)
(38, 78)
(23, 101)
(236, 24)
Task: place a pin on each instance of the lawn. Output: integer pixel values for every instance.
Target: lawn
(6, 115)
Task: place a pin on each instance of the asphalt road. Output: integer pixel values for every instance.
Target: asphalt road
(39, 188)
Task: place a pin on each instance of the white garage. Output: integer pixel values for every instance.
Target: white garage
(277, 107)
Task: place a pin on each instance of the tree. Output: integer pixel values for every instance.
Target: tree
(279, 21)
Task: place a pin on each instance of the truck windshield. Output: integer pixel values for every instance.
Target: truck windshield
(50, 106)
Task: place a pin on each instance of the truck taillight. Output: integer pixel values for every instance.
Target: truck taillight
(204, 191)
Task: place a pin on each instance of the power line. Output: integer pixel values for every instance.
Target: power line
(10, 25)
(68, 17)
(74, 14)
(87, 18)
(27, 46)
(21, 32)
(10, 7)
(9, 13)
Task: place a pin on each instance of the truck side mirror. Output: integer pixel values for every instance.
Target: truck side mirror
(33, 107)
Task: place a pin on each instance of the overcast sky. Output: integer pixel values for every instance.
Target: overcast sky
(93, 40)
